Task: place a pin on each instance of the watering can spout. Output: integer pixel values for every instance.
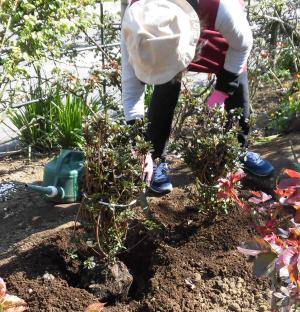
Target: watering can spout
(50, 191)
(63, 178)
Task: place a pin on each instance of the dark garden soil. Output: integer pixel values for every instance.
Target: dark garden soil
(190, 264)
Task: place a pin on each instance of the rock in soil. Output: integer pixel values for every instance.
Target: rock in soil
(109, 283)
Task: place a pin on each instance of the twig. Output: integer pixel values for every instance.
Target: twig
(78, 212)
(282, 22)
(276, 78)
(127, 250)
(8, 24)
(117, 205)
(293, 152)
(97, 45)
(97, 236)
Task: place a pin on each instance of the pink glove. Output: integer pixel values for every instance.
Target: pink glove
(147, 168)
(217, 98)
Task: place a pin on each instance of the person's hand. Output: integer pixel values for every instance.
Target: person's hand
(147, 168)
(217, 98)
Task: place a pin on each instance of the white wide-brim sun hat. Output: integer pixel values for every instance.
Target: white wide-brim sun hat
(161, 38)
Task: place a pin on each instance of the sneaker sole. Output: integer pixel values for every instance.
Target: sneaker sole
(161, 192)
(259, 175)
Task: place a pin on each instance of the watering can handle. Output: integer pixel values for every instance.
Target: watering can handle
(61, 159)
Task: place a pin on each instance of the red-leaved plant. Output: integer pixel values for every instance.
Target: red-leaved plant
(277, 251)
(10, 303)
(227, 187)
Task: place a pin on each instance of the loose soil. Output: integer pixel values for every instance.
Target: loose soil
(190, 264)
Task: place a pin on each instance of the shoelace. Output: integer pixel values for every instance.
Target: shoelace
(253, 156)
(161, 170)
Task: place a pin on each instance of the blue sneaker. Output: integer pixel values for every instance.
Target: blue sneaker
(256, 165)
(161, 183)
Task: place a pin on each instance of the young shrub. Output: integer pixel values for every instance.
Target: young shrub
(209, 146)
(113, 180)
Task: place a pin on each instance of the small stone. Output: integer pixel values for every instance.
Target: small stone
(21, 225)
(245, 304)
(240, 280)
(189, 283)
(257, 297)
(30, 291)
(36, 220)
(197, 277)
(234, 307)
(214, 299)
(48, 276)
(112, 280)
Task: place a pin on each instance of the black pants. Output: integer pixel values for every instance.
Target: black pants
(162, 107)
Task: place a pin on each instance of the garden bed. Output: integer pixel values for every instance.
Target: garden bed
(191, 264)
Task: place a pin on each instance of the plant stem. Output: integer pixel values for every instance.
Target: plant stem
(293, 152)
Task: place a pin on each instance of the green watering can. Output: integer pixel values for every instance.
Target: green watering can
(63, 178)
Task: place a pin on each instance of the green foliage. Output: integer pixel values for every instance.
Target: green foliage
(113, 179)
(209, 145)
(288, 112)
(207, 200)
(89, 263)
(288, 59)
(265, 264)
(210, 148)
(148, 95)
(33, 30)
(35, 122)
(71, 253)
(55, 122)
(275, 53)
(151, 225)
(70, 114)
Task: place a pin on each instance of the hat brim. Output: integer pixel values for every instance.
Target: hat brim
(178, 59)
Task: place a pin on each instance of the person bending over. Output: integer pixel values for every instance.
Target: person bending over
(162, 38)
